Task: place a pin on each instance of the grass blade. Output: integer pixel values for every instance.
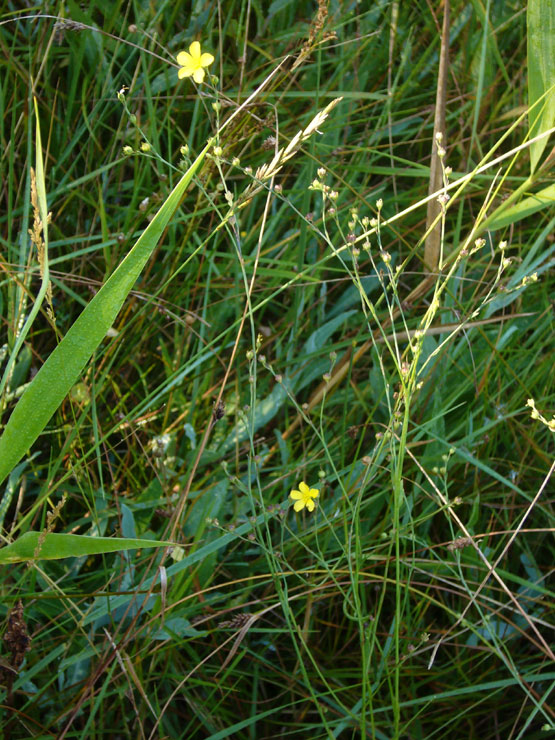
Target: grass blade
(541, 72)
(63, 367)
(53, 546)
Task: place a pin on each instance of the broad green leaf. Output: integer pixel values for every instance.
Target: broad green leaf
(54, 546)
(266, 409)
(315, 345)
(63, 367)
(176, 627)
(317, 340)
(541, 72)
(264, 412)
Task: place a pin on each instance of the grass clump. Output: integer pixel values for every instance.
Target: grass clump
(215, 293)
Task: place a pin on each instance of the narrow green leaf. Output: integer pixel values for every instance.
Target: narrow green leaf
(541, 72)
(278, 5)
(253, 719)
(63, 367)
(55, 546)
(527, 207)
(200, 555)
(11, 488)
(44, 270)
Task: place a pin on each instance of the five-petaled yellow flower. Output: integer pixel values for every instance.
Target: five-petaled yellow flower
(192, 63)
(304, 497)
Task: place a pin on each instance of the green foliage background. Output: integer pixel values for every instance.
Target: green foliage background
(371, 617)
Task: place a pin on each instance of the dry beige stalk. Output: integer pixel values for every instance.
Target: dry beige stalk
(50, 522)
(36, 237)
(270, 169)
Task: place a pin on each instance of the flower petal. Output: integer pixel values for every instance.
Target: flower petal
(194, 50)
(310, 505)
(303, 488)
(206, 59)
(184, 72)
(314, 493)
(299, 505)
(184, 59)
(198, 75)
(295, 495)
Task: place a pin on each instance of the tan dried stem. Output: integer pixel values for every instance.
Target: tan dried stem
(36, 238)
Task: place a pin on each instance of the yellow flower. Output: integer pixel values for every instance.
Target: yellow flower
(192, 63)
(303, 497)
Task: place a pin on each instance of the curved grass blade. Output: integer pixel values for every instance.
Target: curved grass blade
(540, 21)
(53, 546)
(542, 200)
(63, 367)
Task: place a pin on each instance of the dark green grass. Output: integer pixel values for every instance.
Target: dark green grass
(348, 603)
